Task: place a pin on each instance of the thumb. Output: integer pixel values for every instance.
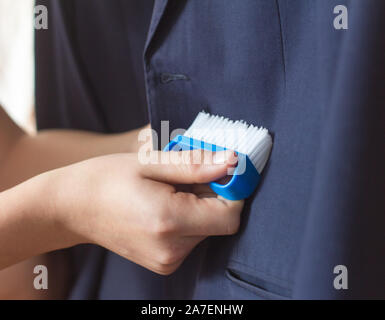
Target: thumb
(189, 167)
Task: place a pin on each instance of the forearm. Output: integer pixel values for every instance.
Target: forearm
(23, 156)
(32, 155)
(29, 225)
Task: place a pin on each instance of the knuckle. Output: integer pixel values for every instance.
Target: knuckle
(178, 203)
(167, 258)
(188, 157)
(165, 270)
(192, 165)
(163, 226)
(164, 223)
(236, 207)
(233, 224)
(197, 173)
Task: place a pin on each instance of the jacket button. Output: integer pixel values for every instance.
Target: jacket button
(169, 77)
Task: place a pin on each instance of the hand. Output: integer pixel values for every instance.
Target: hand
(140, 211)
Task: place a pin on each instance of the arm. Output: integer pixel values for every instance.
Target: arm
(22, 157)
(133, 209)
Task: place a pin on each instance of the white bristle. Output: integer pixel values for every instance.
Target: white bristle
(255, 142)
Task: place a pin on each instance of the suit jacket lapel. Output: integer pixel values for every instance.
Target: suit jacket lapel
(157, 15)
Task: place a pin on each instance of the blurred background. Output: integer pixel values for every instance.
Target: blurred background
(16, 61)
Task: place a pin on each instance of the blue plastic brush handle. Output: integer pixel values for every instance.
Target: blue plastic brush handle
(241, 185)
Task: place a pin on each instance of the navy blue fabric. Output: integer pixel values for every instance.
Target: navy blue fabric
(276, 63)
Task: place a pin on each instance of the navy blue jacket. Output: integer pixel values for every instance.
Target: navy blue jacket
(277, 63)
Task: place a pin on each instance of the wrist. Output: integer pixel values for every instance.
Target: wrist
(68, 203)
(53, 205)
(29, 225)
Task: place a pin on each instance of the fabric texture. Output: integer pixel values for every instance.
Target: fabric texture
(280, 64)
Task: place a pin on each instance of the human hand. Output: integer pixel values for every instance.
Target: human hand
(142, 211)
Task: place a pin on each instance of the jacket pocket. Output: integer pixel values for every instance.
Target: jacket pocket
(252, 282)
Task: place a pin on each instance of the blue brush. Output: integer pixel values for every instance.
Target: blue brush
(214, 133)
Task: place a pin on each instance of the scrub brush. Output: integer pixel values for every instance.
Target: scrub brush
(215, 133)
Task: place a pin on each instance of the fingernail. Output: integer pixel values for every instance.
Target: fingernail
(223, 157)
